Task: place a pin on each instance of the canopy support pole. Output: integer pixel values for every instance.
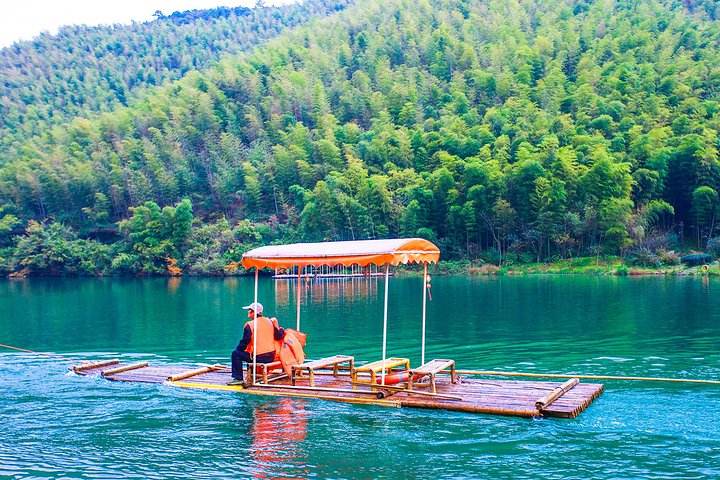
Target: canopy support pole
(257, 271)
(424, 310)
(299, 278)
(384, 349)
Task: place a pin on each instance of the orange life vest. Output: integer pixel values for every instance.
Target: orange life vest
(265, 335)
(290, 349)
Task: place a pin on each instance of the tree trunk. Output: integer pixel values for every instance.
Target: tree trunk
(712, 228)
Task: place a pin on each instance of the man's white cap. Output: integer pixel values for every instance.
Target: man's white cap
(255, 307)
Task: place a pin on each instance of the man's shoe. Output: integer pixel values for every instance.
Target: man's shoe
(236, 382)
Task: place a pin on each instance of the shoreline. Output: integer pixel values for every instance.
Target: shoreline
(587, 266)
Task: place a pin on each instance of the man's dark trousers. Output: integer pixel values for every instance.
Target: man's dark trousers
(240, 356)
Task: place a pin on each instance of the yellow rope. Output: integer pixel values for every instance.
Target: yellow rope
(277, 393)
(591, 377)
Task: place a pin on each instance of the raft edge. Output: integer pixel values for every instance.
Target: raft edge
(280, 393)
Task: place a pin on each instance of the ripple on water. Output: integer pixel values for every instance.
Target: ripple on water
(74, 426)
(57, 425)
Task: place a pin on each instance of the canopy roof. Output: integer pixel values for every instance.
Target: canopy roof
(360, 252)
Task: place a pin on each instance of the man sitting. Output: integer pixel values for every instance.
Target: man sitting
(267, 333)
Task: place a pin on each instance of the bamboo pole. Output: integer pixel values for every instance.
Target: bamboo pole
(124, 368)
(219, 366)
(424, 309)
(257, 272)
(90, 366)
(329, 373)
(291, 393)
(298, 300)
(279, 376)
(411, 392)
(320, 389)
(192, 373)
(385, 309)
(584, 377)
(492, 410)
(547, 400)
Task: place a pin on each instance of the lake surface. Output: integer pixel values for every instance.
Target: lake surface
(54, 424)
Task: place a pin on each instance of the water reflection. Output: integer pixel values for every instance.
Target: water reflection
(173, 283)
(332, 290)
(278, 431)
(231, 283)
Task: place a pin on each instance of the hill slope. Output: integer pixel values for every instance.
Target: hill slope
(81, 70)
(546, 128)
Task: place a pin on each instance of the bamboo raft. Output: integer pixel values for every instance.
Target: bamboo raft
(476, 395)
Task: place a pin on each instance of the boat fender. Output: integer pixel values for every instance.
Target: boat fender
(393, 378)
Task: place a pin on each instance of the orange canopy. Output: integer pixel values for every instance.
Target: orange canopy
(360, 252)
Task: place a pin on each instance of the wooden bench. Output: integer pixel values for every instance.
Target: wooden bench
(432, 368)
(335, 361)
(263, 369)
(375, 368)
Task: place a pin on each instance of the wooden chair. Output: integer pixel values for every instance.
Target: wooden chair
(263, 369)
(335, 361)
(376, 368)
(432, 368)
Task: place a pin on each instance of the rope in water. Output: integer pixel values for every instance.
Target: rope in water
(25, 350)
(590, 377)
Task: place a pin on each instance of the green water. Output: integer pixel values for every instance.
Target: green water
(53, 424)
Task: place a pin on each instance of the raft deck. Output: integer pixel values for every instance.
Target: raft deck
(476, 395)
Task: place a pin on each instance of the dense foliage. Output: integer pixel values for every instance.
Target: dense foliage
(47, 81)
(530, 128)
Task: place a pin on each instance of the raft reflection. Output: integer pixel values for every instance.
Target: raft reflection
(278, 431)
(323, 290)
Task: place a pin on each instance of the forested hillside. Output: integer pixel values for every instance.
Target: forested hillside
(52, 78)
(503, 129)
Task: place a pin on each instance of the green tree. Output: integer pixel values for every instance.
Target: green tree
(8, 224)
(153, 235)
(54, 249)
(705, 206)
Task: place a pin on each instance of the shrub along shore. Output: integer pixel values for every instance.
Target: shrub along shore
(169, 241)
(575, 266)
